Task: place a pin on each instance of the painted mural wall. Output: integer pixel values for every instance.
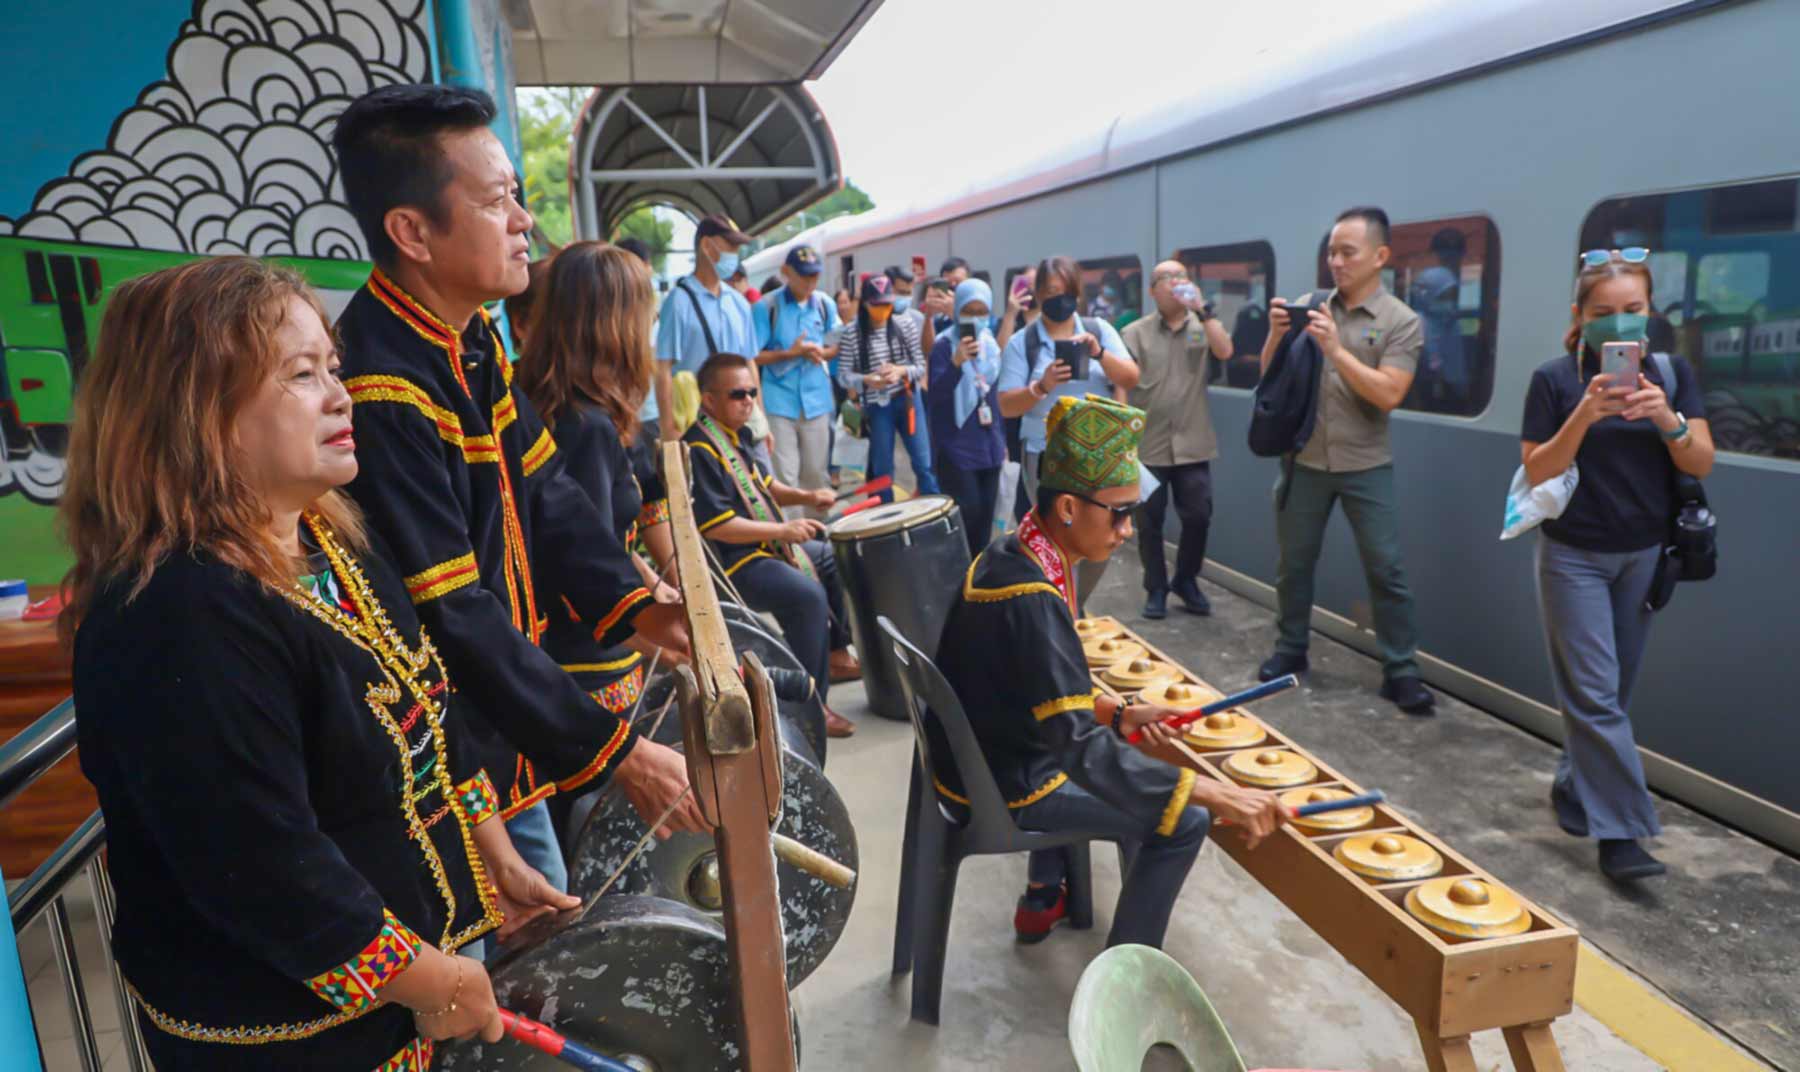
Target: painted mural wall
(222, 146)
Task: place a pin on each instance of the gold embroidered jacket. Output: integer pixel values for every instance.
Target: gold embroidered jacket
(468, 490)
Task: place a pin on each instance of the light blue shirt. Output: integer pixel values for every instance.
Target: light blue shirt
(1014, 374)
(798, 388)
(679, 338)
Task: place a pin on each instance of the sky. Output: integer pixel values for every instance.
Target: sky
(932, 94)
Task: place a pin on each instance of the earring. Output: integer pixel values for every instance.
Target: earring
(1067, 521)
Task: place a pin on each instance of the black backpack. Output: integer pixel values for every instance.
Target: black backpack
(1285, 407)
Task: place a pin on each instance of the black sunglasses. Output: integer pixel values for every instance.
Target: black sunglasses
(741, 394)
(1120, 514)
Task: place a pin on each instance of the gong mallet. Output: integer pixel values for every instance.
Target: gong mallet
(542, 1038)
(1236, 699)
(871, 487)
(811, 861)
(871, 501)
(1319, 807)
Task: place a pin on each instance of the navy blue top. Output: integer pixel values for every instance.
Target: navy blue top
(1625, 499)
(970, 446)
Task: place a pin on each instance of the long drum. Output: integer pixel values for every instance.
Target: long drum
(904, 560)
(642, 980)
(684, 868)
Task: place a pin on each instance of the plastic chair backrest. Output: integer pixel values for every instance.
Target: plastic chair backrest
(1131, 998)
(929, 695)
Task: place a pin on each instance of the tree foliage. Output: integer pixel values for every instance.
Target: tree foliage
(546, 123)
(846, 202)
(653, 229)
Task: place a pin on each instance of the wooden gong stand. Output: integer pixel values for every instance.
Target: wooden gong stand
(734, 765)
(1519, 984)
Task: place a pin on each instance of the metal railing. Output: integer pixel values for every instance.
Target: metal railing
(23, 760)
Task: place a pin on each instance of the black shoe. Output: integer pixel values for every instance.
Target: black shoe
(1156, 606)
(1281, 664)
(1410, 695)
(1193, 600)
(1624, 860)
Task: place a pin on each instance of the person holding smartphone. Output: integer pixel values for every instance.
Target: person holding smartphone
(881, 365)
(964, 412)
(1628, 432)
(1061, 355)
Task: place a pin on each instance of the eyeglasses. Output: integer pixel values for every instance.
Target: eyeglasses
(741, 394)
(1120, 514)
(1594, 258)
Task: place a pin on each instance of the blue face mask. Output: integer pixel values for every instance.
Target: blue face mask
(727, 264)
(902, 303)
(1617, 327)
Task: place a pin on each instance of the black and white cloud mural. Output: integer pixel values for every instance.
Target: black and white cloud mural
(231, 152)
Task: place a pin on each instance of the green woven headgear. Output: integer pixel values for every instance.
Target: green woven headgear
(1090, 443)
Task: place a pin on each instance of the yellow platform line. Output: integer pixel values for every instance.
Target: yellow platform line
(1650, 1022)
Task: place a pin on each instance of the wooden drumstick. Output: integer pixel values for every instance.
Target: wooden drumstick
(812, 861)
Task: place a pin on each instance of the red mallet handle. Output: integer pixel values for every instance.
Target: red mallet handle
(540, 1037)
(879, 484)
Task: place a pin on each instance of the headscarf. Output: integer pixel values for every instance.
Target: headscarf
(985, 368)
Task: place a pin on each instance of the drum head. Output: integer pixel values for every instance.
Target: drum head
(640, 979)
(684, 868)
(892, 517)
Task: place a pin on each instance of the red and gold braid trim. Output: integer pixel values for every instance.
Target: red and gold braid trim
(506, 410)
(481, 448)
(653, 513)
(618, 613)
(410, 312)
(415, 1058)
(443, 578)
(539, 453)
(480, 800)
(358, 981)
(600, 760)
(525, 791)
(1178, 801)
(397, 389)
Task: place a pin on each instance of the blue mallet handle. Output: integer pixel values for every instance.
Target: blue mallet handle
(1319, 807)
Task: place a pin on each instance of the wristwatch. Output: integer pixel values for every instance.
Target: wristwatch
(1681, 430)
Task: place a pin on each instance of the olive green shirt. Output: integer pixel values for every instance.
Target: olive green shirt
(1352, 433)
(1171, 390)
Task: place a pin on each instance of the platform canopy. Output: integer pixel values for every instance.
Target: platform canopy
(700, 103)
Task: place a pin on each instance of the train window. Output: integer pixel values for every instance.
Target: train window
(1112, 289)
(1726, 263)
(1448, 271)
(1239, 280)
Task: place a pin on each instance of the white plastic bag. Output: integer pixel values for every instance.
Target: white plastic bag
(1003, 503)
(1527, 507)
(848, 451)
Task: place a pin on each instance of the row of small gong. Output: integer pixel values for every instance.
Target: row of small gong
(1458, 908)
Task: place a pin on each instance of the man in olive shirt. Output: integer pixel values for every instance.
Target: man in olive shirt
(1172, 348)
(1371, 342)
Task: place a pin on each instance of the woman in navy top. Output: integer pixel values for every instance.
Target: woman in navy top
(963, 409)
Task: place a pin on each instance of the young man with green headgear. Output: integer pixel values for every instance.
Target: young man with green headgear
(1058, 751)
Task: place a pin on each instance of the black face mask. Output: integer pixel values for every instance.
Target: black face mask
(1059, 308)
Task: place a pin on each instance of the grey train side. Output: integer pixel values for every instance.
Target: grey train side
(1694, 98)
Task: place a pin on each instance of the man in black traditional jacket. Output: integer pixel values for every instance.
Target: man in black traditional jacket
(1057, 750)
(459, 475)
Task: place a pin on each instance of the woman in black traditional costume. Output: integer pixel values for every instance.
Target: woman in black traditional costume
(299, 838)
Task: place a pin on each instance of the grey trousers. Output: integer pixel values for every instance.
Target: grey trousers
(1374, 516)
(1087, 574)
(1596, 627)
(802, 447)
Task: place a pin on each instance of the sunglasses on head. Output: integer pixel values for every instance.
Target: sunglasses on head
(1594, 258)
(1119, 514)
(741, 394)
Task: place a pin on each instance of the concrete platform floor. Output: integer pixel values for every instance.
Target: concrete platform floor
(1717, 936)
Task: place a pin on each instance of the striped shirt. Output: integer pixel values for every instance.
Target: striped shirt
(854, 364)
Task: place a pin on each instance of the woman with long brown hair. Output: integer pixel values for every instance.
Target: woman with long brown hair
(1630, 430)
(588, 371)
(299, 841)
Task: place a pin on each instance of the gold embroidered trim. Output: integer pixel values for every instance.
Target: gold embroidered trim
(997, 595)
(443, 578)
(599, 762)
(1184, 788)
(539, 453)
(1033, 797)
(395, 389)
(1052, 708)
(724, 517)
(604, 668)
(631, 600)
(746, 560)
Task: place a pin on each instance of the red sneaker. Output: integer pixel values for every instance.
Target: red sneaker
(1032, 924)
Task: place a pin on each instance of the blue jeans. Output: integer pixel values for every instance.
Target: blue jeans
(534, 836)
(1158, 867)
(882, 423)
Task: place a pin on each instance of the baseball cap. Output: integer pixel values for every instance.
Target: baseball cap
(805, 260)
(878, 290)
(720, 224)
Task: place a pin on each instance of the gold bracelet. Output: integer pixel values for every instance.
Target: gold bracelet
(454, 994)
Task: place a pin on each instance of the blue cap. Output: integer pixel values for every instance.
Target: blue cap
(13, 588)
(805, 260)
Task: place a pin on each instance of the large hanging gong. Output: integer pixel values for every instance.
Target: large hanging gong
(684, 868)
(642, 980)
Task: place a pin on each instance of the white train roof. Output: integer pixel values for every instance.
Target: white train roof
(1465, 35)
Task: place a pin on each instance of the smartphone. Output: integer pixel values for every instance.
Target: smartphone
(918, 267)
(966, 331)
(943, 285)
(1074, 355)
(1620, 363)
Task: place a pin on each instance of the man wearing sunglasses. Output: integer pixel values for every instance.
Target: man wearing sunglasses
(1058, 752)
(783, 567)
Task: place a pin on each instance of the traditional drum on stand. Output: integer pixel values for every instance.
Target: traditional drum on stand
(905, 560)
(685, 867)
(643, 980)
